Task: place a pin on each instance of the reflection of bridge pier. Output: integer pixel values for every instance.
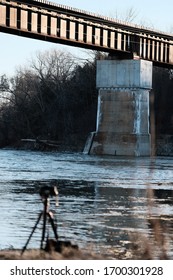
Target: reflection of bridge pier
(123, 108)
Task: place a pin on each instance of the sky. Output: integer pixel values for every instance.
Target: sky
(16, 51)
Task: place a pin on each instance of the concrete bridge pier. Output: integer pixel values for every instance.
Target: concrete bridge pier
(123, 108)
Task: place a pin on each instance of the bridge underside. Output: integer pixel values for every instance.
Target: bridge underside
(45, 21)
(37, 36)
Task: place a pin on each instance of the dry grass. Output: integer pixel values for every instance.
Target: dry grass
(36, 254)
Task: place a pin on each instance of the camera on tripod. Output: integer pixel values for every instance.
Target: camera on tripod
(47, 216)
(45, 192)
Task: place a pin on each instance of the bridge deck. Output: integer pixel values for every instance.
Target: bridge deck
(48, 21)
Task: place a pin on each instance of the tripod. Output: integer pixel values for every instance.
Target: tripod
(46, 214)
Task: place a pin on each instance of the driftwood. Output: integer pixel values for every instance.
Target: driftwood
(49, 143)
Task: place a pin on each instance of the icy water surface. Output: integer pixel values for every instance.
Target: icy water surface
(101, 199)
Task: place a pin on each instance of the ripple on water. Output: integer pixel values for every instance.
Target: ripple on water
(101, 199)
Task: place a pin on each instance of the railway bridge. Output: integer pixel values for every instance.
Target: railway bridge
(124, 81)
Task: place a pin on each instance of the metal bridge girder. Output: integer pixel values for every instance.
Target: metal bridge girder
(60, 24)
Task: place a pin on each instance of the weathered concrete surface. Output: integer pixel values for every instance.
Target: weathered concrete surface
(124, 73)
(123, 108)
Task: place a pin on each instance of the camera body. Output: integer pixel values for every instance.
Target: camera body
(45, 192)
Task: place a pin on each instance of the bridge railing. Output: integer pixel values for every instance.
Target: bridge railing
(60, 24)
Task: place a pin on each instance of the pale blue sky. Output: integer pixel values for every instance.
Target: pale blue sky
(16, 51)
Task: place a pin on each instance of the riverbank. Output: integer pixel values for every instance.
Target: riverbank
(66, 253)
(163, 146)
(36, 254)
(139, 247)
(48, 145)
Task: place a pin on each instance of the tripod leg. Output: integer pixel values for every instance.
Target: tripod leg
(53, 225)
(24, 248)
(44, 225)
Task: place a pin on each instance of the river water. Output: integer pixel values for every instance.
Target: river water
(101, 199)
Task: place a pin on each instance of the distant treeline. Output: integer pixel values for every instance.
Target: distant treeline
(55, 98)
(163, 100)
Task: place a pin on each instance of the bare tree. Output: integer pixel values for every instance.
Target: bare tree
(54, 98)
(130, 15)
